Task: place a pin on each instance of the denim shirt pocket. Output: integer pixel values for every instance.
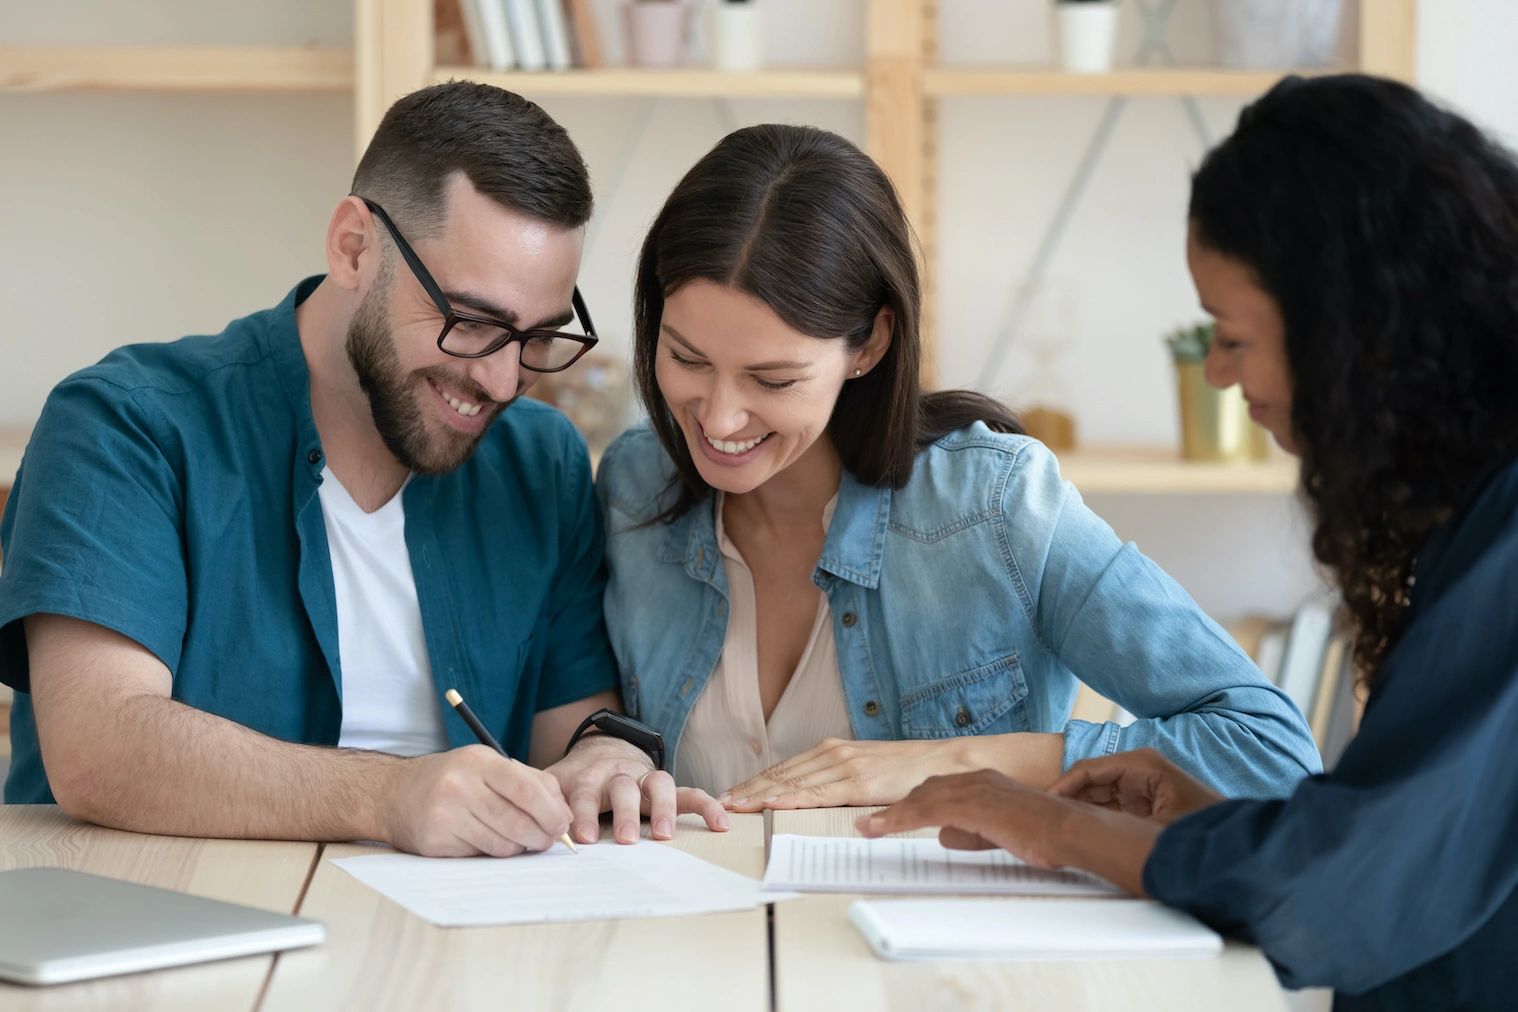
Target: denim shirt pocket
(988, 699)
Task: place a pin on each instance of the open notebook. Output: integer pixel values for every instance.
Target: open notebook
(1030, 929)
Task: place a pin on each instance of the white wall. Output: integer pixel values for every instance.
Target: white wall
(142, 218)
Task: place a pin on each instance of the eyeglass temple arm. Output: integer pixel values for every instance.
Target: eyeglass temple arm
(412, 260)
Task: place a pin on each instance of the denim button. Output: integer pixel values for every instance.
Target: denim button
(871, 708)
(314, 457)
(963, 718)
(849, 618)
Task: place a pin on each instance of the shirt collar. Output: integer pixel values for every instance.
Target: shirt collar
(853, 550)
(282, 344)
(856, 537)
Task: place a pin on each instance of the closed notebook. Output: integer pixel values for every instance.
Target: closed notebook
(1031, 929)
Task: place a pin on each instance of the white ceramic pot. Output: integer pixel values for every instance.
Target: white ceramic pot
(1087, 36)
(656, 32)
(737, 35)
(1276, 34)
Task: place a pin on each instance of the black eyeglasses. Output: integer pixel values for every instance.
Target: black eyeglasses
(467, 336)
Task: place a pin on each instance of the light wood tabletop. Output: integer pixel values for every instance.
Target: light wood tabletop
(379, 956)
(267, 875)
(814, 943)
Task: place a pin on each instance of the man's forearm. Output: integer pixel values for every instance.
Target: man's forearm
(159, 766)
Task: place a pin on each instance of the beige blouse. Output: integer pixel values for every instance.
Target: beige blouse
(726, 739)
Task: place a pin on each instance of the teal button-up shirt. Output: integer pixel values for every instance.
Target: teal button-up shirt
(170, 493)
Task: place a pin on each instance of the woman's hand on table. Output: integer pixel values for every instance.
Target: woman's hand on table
(837, 773)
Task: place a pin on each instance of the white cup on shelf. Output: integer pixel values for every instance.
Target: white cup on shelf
(737, 34)
(1087, 35)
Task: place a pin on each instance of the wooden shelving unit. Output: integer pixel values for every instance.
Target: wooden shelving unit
(943, 82)
(1152, 470)
(612, 82)
(900, 82)
(251, 69)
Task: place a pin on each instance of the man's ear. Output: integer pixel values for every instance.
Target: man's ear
(881, 333)
(352, 245)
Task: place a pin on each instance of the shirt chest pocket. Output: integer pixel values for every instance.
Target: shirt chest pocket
(989, 699)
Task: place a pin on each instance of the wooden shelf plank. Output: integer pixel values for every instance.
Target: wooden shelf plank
(992, 80)
(675, 83)
(160, 68)
(1161, 471)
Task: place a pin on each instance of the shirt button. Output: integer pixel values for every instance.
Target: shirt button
(849, 618)
(314, 457)
(756, 745)
(871, 708)
(963, 718)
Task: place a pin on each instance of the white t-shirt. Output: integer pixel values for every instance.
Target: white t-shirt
(389, 701)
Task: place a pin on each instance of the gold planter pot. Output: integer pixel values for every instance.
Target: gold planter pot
(1215, 423)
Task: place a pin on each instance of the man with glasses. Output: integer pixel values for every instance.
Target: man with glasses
(242, 571)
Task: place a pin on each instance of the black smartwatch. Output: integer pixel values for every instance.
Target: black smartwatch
(617, 725)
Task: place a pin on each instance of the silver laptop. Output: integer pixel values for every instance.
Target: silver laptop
(58, 926)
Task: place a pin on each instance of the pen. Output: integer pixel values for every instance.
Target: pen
(486, 738)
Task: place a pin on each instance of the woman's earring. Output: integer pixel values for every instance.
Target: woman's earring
(858, 373)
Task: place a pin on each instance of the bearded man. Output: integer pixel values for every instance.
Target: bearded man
(242, 571)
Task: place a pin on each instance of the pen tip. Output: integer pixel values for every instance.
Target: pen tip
(453, 697)
(569, 843)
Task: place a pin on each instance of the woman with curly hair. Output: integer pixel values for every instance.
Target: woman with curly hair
(1358, 247)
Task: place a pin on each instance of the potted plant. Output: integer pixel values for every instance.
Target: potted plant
(1087, 34)
(1215, 424)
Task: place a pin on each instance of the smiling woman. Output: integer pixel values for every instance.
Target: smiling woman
(826, 583)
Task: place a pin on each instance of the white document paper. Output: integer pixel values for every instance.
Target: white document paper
(1031, 929)
(602, 882)
(846, 864)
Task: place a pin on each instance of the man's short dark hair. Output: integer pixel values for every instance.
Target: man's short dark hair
(509, 148)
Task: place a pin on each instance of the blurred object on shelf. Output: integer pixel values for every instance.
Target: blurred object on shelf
(656, 32)
(1276, 34)
(1050, 426)
(594, 393)
(1045, 341)
(1087, 35)
(1215, 424)
(737, 34)
(454, 42)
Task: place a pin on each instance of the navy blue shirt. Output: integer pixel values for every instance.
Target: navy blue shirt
(1392, 879)
(170, 493)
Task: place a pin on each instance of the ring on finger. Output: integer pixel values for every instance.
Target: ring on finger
(643, 778)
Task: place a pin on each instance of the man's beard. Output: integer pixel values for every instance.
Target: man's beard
(392, 400)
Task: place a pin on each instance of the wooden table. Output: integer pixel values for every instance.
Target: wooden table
(268, 875)
(820, 960)
(379, 956)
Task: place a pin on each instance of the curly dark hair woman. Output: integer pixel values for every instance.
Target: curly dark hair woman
(1386, 230)
(1358, 248)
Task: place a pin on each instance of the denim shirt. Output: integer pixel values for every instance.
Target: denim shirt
(967, 602)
